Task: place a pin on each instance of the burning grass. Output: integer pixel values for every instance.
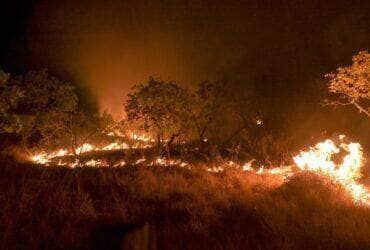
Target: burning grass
(318, 202)
(318, 159)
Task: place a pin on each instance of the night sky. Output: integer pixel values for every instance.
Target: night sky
(280, 46)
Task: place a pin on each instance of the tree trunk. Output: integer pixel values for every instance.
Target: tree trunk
(201, 134)
(159, 144)
(237, 132)
(169, 143)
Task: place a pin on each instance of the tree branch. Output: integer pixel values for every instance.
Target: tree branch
(361, 109)
(353, 102)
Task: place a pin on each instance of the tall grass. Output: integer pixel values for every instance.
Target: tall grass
(61, 208)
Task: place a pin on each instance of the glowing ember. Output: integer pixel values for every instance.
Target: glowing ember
(95, 163)
(144, 138)
(44, 158)
(86, 147)
(111, 134)
(115, 146)
(283, 171)
(120, 164)
(248, 166)
(75, 164)
(216, 169)
(91, 163)
(139, 161)
(168, 162)
(184, 164)
(261, 170)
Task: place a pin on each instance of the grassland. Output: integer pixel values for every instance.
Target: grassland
(85, 208)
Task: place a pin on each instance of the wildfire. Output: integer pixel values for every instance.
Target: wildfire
(45, 158)
(132, 135)
(94, 163)
(115, 146)
(144, 138)
(159, 161)
(318, 159)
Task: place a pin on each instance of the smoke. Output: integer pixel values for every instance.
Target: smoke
(111, 45)
(108, 46)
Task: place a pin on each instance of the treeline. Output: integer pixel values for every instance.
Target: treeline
(39, 110)
(233, 117)
(217, 118)
(247, 119)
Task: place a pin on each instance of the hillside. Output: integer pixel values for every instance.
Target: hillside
(82, 208)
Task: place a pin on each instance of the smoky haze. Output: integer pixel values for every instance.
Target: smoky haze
(111, 45)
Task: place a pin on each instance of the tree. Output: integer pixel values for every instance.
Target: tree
(44, 109)
(160, 107)
(39, 110)
(236, 118)
(78, 127)
(227, 110)
(352, 83)
(213, 112)
(204, 109)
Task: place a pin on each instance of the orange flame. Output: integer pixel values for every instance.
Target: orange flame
(317, 159)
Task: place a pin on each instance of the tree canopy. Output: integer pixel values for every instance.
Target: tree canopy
(216, 115)
(352, 83)
(37, 109)
(160, 107)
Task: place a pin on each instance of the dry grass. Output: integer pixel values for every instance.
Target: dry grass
(60, 208)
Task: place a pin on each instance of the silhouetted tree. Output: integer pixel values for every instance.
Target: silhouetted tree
(160, 107)
(39, 110)
(352, 83)
(45, 108)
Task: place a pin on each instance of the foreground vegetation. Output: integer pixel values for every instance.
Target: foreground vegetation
(61, 208)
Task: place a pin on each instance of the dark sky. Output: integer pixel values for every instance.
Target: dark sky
(110, 45)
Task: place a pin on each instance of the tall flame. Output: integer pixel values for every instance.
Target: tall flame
(319, 159)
